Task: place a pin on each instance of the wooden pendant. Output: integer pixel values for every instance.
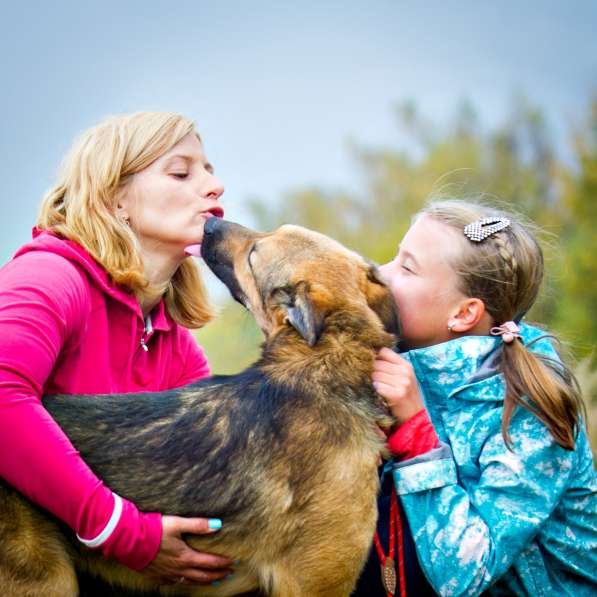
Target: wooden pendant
(388, 576)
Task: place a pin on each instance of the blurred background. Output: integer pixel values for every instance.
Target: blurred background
(335, 115)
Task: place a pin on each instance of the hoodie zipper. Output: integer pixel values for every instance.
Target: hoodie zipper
(147, 333)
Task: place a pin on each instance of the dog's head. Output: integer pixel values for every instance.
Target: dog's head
(297, 277)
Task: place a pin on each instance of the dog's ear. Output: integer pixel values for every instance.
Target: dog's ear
(301, 313)
(380, 300)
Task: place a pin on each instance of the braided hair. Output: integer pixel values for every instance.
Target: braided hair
(505, 271)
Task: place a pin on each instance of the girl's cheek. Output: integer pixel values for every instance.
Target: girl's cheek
(397, 293)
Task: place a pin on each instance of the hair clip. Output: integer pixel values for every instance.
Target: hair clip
(508, 331)
(480, 229)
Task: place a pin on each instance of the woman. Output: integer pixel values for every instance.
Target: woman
(100, 302)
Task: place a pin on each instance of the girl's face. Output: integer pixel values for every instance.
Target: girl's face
(170, 200)
(424, 285)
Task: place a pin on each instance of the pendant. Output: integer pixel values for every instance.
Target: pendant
(388, 576)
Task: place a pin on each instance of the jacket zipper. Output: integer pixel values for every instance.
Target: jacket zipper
(147, 332)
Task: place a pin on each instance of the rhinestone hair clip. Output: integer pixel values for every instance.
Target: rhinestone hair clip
(480, 229)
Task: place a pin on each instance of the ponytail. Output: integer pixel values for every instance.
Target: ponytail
(504, 268)
(546, 388)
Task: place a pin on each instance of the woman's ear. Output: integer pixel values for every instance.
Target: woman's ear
(122, 201)
(468, 314)
(121, 212)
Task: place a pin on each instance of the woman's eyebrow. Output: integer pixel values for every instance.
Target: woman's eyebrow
(189, 158)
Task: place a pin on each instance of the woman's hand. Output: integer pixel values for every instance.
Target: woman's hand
(395, 381)
(177, 562)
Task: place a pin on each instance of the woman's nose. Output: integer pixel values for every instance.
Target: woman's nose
(213, 188)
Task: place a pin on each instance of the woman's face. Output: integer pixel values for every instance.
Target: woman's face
(424, 285)
(168, 202)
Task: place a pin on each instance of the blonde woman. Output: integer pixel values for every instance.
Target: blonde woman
(101, 301)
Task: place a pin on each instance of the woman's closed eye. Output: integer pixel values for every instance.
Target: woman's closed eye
(180, 175)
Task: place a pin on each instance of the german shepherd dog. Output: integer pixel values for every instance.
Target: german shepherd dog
(285, 453)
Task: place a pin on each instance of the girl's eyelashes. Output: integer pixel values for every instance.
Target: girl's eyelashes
(406, 265)
(179, 174)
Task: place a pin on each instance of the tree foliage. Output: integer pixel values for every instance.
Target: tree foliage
(516, 165)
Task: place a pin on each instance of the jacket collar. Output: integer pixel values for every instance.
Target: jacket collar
(446, 369)
(45, 240)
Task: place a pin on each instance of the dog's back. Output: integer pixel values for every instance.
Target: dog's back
(285, 452)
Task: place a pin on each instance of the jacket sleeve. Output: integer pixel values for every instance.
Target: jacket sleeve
(469, 529)
(44, 303)
(413, 438)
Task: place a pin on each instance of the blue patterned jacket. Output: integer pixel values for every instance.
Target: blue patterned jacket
(483, 518)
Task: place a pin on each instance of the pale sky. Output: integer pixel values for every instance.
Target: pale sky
(277, 88)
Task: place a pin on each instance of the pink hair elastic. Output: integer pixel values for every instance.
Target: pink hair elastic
(508, 331)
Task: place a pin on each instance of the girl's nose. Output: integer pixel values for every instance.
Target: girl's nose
(385, 272)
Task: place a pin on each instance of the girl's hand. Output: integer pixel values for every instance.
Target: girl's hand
(395, 381)
(176, 562)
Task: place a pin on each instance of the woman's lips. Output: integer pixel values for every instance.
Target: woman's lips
(216, 212)
(195, 250)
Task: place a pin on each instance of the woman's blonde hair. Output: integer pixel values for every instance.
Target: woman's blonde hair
(81, 206)
(505, 271)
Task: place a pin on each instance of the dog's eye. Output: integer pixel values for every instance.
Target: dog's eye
(252, 256)
(283, 295)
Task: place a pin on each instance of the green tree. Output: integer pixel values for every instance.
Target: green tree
(515, 165)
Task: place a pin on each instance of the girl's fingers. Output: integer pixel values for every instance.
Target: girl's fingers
(387, 367)
(385, 354)
(390, 380)
(387, 392)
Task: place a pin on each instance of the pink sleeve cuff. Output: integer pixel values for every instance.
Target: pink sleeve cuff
(413, 438)
(136, 539)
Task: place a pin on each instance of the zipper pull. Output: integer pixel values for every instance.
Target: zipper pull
(146, 333)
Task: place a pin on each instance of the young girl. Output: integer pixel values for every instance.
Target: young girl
(491, 464)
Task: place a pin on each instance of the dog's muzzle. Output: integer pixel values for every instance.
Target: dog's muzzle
(217, 257)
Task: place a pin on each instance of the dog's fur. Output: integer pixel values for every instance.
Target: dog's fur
(284, 453)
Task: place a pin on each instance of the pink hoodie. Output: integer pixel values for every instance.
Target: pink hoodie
(64, 328)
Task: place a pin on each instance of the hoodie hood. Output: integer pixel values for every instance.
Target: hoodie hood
(46, 240)
(449, 368)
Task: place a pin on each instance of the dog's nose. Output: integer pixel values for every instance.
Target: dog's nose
(211, 226)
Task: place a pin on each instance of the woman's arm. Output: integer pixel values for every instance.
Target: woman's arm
(44, 304)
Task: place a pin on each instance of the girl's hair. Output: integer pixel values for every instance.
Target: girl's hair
(505, 271)
(81, 206)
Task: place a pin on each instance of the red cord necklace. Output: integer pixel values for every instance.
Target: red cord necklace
(388, 566)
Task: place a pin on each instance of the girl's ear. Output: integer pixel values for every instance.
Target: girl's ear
(469, 313)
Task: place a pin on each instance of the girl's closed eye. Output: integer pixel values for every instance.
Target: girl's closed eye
(408, 266)
(180, 175)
